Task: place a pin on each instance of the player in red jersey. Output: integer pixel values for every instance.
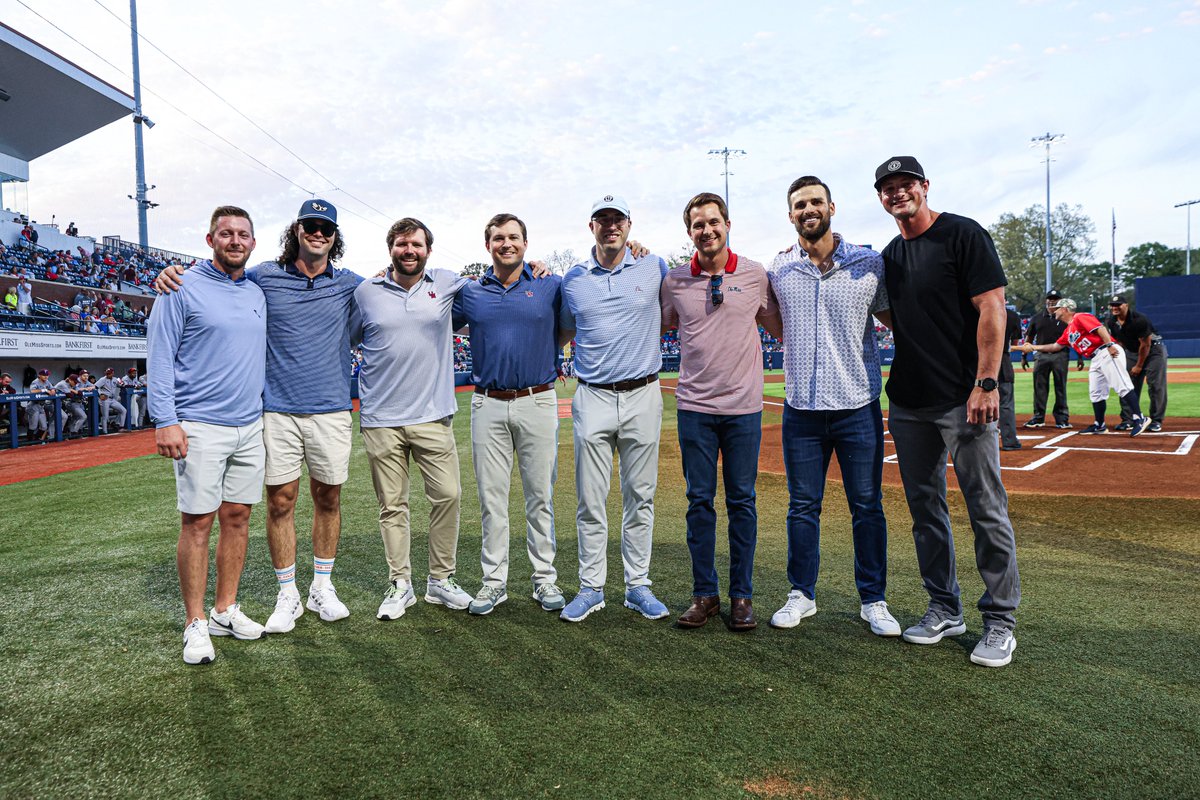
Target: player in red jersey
(1088, 337)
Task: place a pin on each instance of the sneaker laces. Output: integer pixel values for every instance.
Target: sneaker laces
(489, 593)
(392, 590)
(451, 583)
(548, 588)
(996, 637)
(876, 612)
(794, 603)
(931, 619)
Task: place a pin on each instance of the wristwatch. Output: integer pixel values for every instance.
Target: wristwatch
(987, 384)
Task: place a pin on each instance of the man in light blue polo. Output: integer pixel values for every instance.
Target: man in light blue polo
(610, 306)
(827, 290)
(513, 319)
(406, 393)
(212, 428)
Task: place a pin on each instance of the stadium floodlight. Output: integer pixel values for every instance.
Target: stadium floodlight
(1047, 139)
(726, 153)
(1188, 257)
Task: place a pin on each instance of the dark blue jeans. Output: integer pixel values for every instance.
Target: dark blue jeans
(737, 438)
(809, 439)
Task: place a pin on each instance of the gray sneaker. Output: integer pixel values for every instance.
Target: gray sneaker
(933, 626)
(487, 598)
(996, 647)
(549, 596)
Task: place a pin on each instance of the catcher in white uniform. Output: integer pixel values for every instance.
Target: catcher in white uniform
(1088, 337)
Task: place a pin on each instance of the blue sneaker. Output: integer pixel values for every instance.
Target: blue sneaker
(1139, 424)
(643, 601)
(587, 601)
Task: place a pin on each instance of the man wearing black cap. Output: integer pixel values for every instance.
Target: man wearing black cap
(946, 288)
(1146, 356)
(1045, 328)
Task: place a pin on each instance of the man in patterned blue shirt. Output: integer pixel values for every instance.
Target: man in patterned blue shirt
(610, 306)
(828, 290)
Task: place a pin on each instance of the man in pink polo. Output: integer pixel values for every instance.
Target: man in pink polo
(716, 301)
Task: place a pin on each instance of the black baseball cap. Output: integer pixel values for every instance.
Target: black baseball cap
(1118, 300)
(899, 165)
(1053, 295)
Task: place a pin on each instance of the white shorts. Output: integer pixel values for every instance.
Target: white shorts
(224, 464)
(1108, 372)
(320, 440)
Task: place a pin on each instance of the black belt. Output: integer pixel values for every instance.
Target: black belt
(623, 386)
(513, 394)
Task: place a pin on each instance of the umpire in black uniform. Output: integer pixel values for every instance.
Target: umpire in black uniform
(1045, 329)
(1146, 357)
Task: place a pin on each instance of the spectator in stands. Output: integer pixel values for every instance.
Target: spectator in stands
(72, 230)
(109, 391)
(37, 411)
(24, 296)
(72, 405)
(10, 298)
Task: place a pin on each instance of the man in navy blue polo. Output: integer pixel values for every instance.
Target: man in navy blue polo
(513, 319)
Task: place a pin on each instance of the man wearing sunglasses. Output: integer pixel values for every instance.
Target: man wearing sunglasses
(309, 304)
(610, 307)
(828, 290)
(715, 301)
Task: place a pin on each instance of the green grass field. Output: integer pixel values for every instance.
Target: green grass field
(1183, 399)
(1101, 700)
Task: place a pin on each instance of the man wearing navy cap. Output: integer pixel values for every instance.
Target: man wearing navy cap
(1045, 328)
(305, 421)
(1146, 356)
(946, 288)
(610, 306)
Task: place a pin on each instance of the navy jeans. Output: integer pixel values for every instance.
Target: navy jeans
(737, 438)
(809, 439)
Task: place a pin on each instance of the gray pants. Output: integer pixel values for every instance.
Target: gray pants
(1051, 365)
(111, 406)
(78, 417)
(1008, 417)
(35, 418)
(923, 439)
(1154, 372)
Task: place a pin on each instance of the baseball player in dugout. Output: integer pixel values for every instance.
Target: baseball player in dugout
(1146, 357)
(1090, 339)
(1044, 328)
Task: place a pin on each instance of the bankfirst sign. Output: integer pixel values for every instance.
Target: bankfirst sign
(19, 344)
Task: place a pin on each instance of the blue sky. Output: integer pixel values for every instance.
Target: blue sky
(453, 111)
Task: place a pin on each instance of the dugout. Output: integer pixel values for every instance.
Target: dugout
(1173, 304)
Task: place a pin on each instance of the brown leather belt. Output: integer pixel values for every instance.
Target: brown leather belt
(623, 386)
(513, 394)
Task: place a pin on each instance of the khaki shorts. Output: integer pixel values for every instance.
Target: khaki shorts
(320, 440)
(224, 464)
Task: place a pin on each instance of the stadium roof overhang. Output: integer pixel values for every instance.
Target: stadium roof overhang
(46, 102)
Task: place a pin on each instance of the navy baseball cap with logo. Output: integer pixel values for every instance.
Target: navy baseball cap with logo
(899, 165)
(1053, 294)
(1117, 300)
(317, 209)
(613, 201)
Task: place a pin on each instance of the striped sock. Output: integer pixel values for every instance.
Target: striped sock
(321, 569)
(286, 577)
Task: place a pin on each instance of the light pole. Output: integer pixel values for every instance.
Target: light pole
(139, 119)
(1047, 139)
(726, 153)
(1188, 257)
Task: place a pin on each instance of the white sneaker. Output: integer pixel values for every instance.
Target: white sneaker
(795, 609)
(325, 602)
(880, 619)
(287, 610)
(197, 647)
(398, 598)
(446, 592)
(234, 623)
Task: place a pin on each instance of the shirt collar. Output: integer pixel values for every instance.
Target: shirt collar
(626, 261)
(208, 266)
(489, 276)
(292, 269)
(730, 265)
(386, 280)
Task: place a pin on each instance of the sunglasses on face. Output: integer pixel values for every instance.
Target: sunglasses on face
(311, 226)
(714, 289)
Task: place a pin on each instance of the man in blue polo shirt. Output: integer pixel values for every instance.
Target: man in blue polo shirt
(513, 319)
(610, 306)
(212, 428)
(306, 400)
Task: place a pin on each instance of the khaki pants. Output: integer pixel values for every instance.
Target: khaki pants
(527, 426)
(432, 446)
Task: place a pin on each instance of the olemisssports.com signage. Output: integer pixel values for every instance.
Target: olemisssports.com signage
(17, 344)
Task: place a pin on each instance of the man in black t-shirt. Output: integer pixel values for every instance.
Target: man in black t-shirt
(1044, 328)
(1146, 356)
(946, 288)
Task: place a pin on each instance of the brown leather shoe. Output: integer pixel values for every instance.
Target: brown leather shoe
(741, 614)
(699, 611)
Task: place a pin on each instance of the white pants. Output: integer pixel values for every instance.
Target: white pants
(527, 426)
(1108, 372)
(627, 423)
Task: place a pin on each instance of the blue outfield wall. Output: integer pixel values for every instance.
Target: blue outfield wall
(1173, 305)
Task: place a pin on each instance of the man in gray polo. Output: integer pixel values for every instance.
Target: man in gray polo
(406, 389)
(610, 306)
